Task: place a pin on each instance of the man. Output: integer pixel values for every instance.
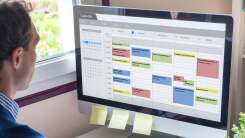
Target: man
(18, 40)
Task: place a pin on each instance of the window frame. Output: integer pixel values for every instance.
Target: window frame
(51, 73)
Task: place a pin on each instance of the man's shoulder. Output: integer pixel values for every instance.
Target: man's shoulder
(22, 131)
(11, 129)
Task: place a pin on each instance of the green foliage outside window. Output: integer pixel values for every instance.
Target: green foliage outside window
(239, 131)
(46, 20)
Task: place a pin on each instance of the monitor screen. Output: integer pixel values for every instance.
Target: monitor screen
(174, 65)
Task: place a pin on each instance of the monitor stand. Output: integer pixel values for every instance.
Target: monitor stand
(105, 132)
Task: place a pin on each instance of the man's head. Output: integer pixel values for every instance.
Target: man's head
(18, 40)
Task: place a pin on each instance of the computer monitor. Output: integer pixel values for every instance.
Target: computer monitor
(172, 65)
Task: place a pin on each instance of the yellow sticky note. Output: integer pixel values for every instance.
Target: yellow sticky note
(119, 119)
(98, 115)
(142, 124)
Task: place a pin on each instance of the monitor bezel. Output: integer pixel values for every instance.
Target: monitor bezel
(226, 19)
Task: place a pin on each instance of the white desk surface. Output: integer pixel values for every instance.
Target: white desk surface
(104, 132)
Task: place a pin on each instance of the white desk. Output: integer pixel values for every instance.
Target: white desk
(104, 132)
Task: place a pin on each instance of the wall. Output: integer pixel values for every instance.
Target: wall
(57, 117)
(216, 6)
(238, 72)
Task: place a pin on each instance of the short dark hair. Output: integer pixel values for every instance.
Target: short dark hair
(15, 27)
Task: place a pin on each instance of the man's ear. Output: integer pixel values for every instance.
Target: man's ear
(16, 57)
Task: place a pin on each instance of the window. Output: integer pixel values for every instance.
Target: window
(55, 57)
(54, 22)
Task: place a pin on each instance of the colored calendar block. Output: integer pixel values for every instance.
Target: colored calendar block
(162, 80)
(208, 68)
(183, 96)
(141, 92)
(140, 52)
(121, 72)
(141, 65)
(206, 100)
(121, 52)
(162, 58)
(121, 80)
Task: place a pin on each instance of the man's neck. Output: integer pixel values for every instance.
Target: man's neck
(7, 91)
(6, 84)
